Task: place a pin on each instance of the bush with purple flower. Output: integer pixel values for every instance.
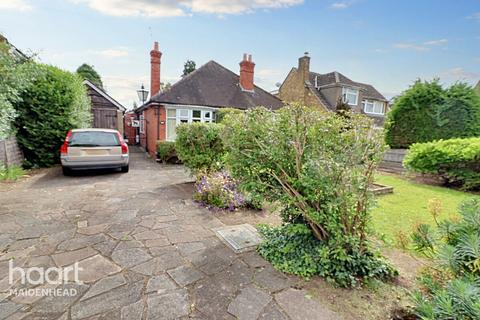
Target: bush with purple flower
(219, 190)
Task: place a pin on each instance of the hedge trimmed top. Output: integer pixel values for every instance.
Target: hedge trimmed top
(427, 112)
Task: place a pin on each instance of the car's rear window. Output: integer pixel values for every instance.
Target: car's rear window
(94, 139)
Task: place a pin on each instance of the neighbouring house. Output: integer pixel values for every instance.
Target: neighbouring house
(197, 98)
(107, 112)
(325, 91)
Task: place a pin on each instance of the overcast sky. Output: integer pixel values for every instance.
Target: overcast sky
(386, 43)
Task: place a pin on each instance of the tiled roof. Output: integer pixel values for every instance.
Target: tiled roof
(216, 86)
(332, 78)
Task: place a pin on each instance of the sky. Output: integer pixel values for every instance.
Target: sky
(387, 43)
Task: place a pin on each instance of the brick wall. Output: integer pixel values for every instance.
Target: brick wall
(155, 128)
(10, 153)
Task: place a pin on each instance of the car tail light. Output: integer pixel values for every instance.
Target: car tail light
(64, 147)
(123, 144)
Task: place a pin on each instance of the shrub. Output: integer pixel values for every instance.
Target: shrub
(11, 172)
(292, 248)
(166, 151)
(226, 113)
(450, 289)
(318, 166)
(427, 112)
(55, 102)
(199, 146)
(219, 190)
(455, 160)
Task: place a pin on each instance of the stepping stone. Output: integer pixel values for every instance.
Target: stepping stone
(128, 258)
(160, 284)
(240, 238)
(249, 303)
(171, 305)
(298, 307)
(272, 312)
(104, 285)
(185, 275)
(67, 258)
(96, 267)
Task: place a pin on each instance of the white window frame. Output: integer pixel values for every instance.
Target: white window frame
(374, 104)
(188, 115)
(347, 91)
(142, 123)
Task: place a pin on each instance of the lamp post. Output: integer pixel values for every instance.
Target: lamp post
(142, 96)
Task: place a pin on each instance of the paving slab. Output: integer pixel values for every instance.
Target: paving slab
(185, 275)
(104, 285)
(170, 305)
(128, 258)
(160, 284)
(96, 267)
(69, 257)
(298, 306)
(249, 303)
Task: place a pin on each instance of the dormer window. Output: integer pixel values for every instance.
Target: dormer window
(350, 96)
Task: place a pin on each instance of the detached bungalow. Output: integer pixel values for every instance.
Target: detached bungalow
(196, 98)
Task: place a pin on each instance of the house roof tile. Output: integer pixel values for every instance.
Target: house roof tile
(216, 86)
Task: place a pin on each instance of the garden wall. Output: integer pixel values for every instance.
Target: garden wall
(393, 159)
(10, 153)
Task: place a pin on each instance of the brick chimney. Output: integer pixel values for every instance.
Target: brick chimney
(155, 56)
(304, 67)
(246, 73)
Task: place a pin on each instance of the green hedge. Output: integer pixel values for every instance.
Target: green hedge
(53, 103)
(427, 112)
(199, 146)
(166, 151)
(456, 160)
(224, 114)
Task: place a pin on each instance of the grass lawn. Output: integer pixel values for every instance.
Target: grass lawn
(399, 212)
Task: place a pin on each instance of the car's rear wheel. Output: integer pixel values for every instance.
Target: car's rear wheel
(125, 168)
(66, 171)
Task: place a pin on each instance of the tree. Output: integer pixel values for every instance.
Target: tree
(53, 103)
(477, 88)
(165, 86)
(15, 74)
(87, 72)
(188, 67)
(426, 112)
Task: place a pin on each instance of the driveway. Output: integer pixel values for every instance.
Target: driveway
(144, 249)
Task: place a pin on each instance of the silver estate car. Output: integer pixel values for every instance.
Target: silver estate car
(93, 149)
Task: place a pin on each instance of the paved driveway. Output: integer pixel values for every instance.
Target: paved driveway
(145, 250)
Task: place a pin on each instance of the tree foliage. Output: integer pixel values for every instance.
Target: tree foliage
(87, 72)
(15, 74)
(317, 166)
(188, 67)
(455, 160)
(53, 103)
(450, 289)
(427, 112)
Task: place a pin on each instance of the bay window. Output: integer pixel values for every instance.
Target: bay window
(176, 116)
